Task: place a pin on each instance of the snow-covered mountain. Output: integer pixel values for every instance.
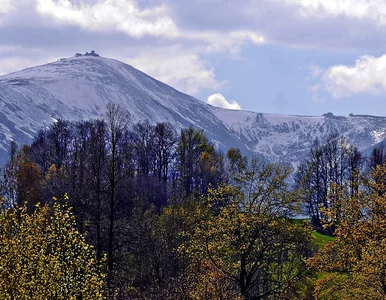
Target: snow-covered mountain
(80, 87)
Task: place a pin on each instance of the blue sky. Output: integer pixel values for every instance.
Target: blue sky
(303, 57)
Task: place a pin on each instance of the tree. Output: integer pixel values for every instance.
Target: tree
(28, 181)
(43, 256)
(328, 166)
(242, 237)
(142, 136)
(213, 171)
(147, 186)
(237, 162)
(56, 183)
(59, 138)
(97, 185)
(78, 169)
(192, 144)
(163, 149)
(117, 120)
(156, 268)
(39, 151)
(355, 259)
(163, 143)
(8, 182)
(377, 156)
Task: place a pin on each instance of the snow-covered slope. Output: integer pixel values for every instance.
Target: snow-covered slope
(289, 138)
(80, 87)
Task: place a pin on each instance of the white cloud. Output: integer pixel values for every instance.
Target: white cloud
(248, 35)
(106, 15)
(374, 10)
(6, 6)
(126, 16)
(232, 41)
(368, 75)
(178, 68)
(220, 101)
(315, 70)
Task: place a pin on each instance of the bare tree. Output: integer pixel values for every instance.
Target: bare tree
(163, 145)
(117, 119)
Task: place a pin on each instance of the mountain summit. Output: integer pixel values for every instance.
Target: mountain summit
(80, 87)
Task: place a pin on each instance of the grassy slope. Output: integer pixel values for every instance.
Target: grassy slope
(322, 239)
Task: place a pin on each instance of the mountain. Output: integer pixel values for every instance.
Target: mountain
(80, 87)
(284, 138)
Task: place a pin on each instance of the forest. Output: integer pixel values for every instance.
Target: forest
(104, 209)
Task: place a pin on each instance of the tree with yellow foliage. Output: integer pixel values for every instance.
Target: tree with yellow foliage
(355, 260)
(242, 245)
(43, 256)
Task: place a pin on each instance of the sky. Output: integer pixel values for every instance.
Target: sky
(303, 57)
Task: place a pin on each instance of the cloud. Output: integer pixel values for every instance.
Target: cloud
(220, 101)
(351, 23)
(184, 71)
(374, 10)
(233, 41)
(219, 42)
(6, 6)
(120, 15)
(315, 71)
(322, 24)
(176, 41)
(366, 76)
(125, 16)
(248, 35)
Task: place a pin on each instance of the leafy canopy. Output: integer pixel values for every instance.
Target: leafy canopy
(43, 256)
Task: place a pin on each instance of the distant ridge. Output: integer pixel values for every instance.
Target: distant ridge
(80, 87)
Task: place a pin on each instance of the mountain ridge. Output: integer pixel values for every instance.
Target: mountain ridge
(79, 88)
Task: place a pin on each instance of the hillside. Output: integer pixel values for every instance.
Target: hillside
(80, 87)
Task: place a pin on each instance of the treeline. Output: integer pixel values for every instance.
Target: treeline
(171, 217)
(345, 194)
(335, 162)
(329, 167)
(168, 214)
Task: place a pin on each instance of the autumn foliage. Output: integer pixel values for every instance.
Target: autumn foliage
(355, 260)
(241, 244)
(43, 256)
(172, 217)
